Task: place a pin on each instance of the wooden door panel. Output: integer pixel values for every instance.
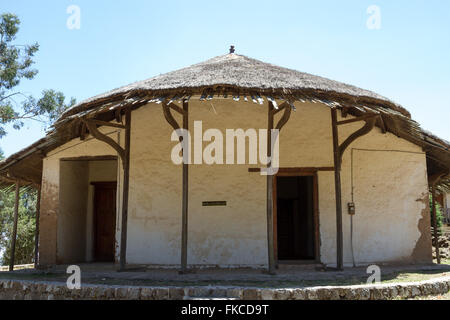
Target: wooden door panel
(104, 221)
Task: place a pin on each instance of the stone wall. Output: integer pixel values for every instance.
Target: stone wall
(18, 290)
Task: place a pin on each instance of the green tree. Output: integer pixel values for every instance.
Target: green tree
(16, 62)
(439, 215)
(25, 226)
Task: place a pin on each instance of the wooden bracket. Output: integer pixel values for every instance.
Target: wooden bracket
(83, 131)
(169, 117)
(434, 179)
(118, 115)
(92, 127)
(370, 123)
(274, 111)
(344, 112)
(382, 124)
(284, 119)
(370, 120)
(286, 116)
(362, 118)
(107, 124)
(176, 108)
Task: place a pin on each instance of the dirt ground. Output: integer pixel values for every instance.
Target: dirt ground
(287, 276)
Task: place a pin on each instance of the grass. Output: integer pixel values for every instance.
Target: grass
(18, 267)
(438, 297)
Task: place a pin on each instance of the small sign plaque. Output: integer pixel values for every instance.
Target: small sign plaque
(214, 203)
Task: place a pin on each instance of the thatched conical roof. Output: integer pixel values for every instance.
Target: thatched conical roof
(240, 75)
(241, 78)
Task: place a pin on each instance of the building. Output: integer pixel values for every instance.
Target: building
(110, 190)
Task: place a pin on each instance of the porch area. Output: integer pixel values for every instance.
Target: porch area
(287, 275)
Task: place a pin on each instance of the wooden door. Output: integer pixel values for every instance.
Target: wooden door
(104, 220)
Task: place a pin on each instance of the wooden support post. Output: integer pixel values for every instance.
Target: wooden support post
(286, 107)
(124, 154)
(36, 236)
(435, 225)
(184, 111)
(338, 192)
(14, 231)
(126, 184)
(338, 152)
(184, 231)
(270, 240)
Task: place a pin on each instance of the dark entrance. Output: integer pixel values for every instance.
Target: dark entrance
(104, 220)
(295, 227)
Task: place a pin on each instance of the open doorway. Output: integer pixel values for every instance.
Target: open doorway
(296, 225)
(87, 210)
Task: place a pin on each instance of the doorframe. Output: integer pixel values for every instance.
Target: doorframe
(298, 172)
(94, 222)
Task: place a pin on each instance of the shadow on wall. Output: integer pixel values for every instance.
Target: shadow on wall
(75, 233)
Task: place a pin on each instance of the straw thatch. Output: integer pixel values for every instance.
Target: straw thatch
(238, 75)
(242, 79)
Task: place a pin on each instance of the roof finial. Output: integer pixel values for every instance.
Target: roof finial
(232, 49)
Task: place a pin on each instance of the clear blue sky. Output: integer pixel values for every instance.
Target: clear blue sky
(120, 42)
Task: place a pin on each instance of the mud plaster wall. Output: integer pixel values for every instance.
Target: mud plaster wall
(225, 236)
(388, 190)
(71, 246)
(387, 186)
(50, 195)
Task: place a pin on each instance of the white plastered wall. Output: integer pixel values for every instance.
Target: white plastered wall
(389, 180)
(389, 188)
(52, 239)
(72, 214)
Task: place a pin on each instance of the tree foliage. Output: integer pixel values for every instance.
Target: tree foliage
(16, 63)
(439, 215)
(26, 226)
